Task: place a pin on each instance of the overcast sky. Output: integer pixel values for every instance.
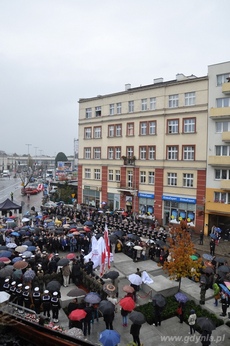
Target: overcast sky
(53, 52)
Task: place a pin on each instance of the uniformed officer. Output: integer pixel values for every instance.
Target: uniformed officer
(36, 296)
(6, 286)
(13, 291)
(26, 297)
(46, 303)
(55, 306)
(19, 298)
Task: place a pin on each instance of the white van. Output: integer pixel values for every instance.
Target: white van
(5, 173)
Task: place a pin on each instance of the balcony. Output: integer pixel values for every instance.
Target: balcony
(129, 161)
(226, 88)
(226, 136)
(218, 160)
(218, 113)
(126, 188)
(225, 184)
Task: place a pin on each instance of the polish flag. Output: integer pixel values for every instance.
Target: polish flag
(107, 244)
(102, 253)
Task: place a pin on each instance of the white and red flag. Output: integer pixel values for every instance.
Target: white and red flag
(102, 253)
(107, 244)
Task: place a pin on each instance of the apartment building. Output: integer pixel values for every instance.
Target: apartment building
(217, 211)
(144, 149)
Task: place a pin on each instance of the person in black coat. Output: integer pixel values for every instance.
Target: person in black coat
(205, 338)
(87, 320)
(108, 319)
(135, 332)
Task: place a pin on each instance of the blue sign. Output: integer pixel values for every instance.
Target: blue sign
(146, 195)
(179, 199)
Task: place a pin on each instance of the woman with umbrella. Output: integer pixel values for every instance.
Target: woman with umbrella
(127, 305)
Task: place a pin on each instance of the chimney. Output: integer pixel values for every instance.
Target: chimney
(127, 87)
(158, 80)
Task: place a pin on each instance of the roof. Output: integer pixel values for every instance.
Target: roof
(8, 205)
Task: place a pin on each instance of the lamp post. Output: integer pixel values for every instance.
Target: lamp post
(28, 145)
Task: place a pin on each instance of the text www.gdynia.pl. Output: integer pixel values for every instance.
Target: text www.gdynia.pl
(191, 338)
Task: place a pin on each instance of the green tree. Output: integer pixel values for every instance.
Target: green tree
(60, 157)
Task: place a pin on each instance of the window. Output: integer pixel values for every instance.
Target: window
(172, 152)
(222, 78)
(143, 153)
(97, 132)
(87, 154)
(221, 197)
(151, 178)
(222, 174)
(88, 113)
(130, 129)
(117, 175)
(189, 152)
(152, 103)
(118, 130)
(190, 99)
(172, 179)
(142, 177)
(110, 175)
(222, 126)
(111, 109)
(118, 153)
(173, 126)
(111, 131)
(119, 108)
(87, 173)
(152, 127)
(152, 152)
(131, 106)
(189, 125)
(143, 128)
(129, 151)
(110, 153)
(97, 153)
(88, 132)
(144, 104)
(187, 180)
(223, 102)
(173, 101)
(97, 174)
(222, 150)
(130, 178)
(98, 111)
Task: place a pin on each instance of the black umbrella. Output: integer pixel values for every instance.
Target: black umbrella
(220, 259)
(133, 236)
(106, 307)
(223, 269)
(113, 274)
(113, 238)
(137, 317)
(119, 234)
(76, 292)
(89, 223)
(53, 286)
(205, 324)
(161, 243)
(63, 262)
(92, 298)
(6, 271)
(159, 300)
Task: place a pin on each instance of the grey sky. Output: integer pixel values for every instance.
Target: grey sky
(53, 52)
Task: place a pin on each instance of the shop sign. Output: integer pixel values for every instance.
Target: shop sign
(179, 199)
(146, 195)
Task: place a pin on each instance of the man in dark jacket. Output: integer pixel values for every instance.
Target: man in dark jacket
(87, 320)
(135, 332)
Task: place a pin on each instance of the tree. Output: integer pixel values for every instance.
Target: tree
(60, 157)
(181, 250)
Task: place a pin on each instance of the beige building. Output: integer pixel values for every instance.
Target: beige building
(144, 149)
(218, 151)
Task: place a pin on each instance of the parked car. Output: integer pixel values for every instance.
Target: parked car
(48, 205)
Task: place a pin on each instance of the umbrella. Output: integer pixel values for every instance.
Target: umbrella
(127, 303)
(17, 274)
(77, 315)
(15, 234)
(220, 259)
(225, 289)
(106, 307)
(113, 238)
(133, 236)
(27, 254)
(27, 243)
(135, 279)
(11, 245)
(137, 247)
(218, 230)
(129, 243)
(181, 297)
(4, 296)
(75, 332)
(227, 284)
(29, 275)
(109, 337)
(113, 274)
(89, 223)
(119, 233)
(16, 259)
(5, 260)
(92, 298)
(20, 265)
(53, 286)
(75, 292)
(128, 289)
(159, 300)
(3, 247)
(7, 254)
(208, 270)
(137, 317)
(31, 248)
(223, 269)
(205, 324)
(207, 257)
(161, 243)
(213, 236)
(70, 256)
(21, 248)
(6, 271)
(109, 288)
(194, 257)
(63, 262)
(25, 219)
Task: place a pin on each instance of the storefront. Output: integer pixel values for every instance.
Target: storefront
(146, 202)
(113, 201)
(179, 208)
(91, 196)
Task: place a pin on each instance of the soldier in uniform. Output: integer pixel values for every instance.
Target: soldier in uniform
(6, 286)
(202, 292)
(26, 297)
(36, 296)
(19, 298)
(46, 303)
(13, 291)
(55, 306)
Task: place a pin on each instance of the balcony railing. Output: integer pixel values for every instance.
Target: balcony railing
(129, 161)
